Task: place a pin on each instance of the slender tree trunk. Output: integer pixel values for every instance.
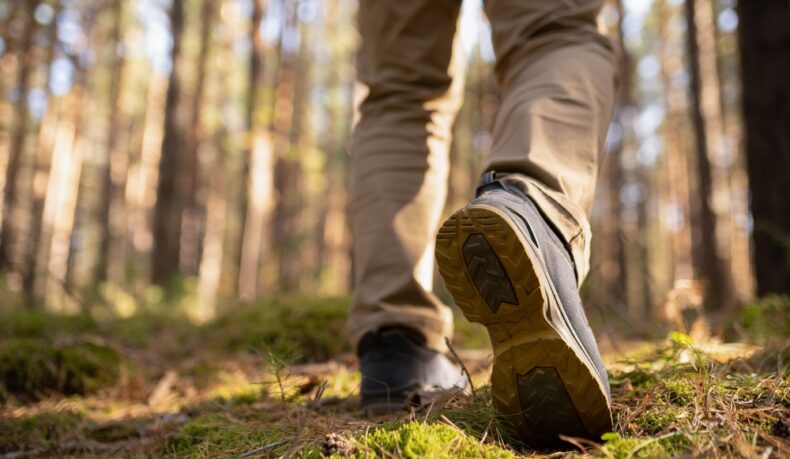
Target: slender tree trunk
(271, 150)
(287, 170)
(115, 169)
(143, 177)
(618, 277)
(712, 266)
(194, 210)
(61, 201)
(169, 206)
(331, 232)
(258, 173)
(41, 167)
(764, 37)
(18, 137)
(211, 261)
(676, 165)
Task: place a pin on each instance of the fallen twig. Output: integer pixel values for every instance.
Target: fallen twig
(463, 367)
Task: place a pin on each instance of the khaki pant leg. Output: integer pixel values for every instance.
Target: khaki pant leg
(558, 80)
(399, 162)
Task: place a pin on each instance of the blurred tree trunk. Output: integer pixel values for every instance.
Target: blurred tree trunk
(296, 176)
(617, 276)
(287, 170)
(707, 133)
(110, 262)
(141, 192)
(42, 164)
(281, 129)
(211, 261)
(169, 206)
(194, 210)
(332, 236)
(258, 171)
(764, 34)
(61, 199)
(25, 65)
(676, 166)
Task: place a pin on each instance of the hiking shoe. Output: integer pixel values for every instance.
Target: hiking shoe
(396, 365)
(508, 270)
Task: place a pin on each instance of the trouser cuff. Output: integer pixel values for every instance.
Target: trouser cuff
(567, 218)
(435, 327)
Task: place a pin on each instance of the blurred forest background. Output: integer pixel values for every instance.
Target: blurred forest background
(198, 148)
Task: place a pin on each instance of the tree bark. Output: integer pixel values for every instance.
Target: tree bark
(61, 200)
(618, 279)
(18, 137)
(41, 168)
(109, 264)
(764, 37)
(711, 264)
(257, 175)
(194, 209)
(169, 206)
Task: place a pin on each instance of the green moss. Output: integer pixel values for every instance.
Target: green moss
(417, 440)
(37, 431)
(657, 418)
(138, 330)
(312, 327)
(86, 367)
(618, 447)
(680, 390)
(767, 318)
(34, 367)
(477, 417)
(28, 366)
(221, 435)
(37, 323)
(235, 388)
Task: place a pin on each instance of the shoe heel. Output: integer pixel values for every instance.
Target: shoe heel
(469, 252)
(538, 384)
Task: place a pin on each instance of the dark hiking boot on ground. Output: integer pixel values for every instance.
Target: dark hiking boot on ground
(508, 270)
(396, 365)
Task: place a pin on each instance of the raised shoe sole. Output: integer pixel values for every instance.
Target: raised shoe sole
(542, 383)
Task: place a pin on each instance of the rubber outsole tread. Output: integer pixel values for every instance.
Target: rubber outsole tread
(550, 409)
(487, 272)
(539, 407)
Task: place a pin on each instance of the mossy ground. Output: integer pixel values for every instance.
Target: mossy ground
(278, 379)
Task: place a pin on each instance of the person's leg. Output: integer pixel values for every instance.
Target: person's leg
(399, 163)
(514, 257)
(557, 76)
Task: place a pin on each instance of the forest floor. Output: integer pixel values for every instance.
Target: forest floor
(279, 380)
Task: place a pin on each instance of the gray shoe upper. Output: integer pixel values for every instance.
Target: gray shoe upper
(557, 262)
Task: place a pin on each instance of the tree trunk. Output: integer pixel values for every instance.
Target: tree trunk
(194, 210)
(61, 201)
(764, 37)
(617, 276)
(711, 264)
(141, 193)
(41, 168)
(169, 196)
(287, 125)
(109, 264)
(211, 261)
(18, 137)
(258, 173)
(675, 163)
